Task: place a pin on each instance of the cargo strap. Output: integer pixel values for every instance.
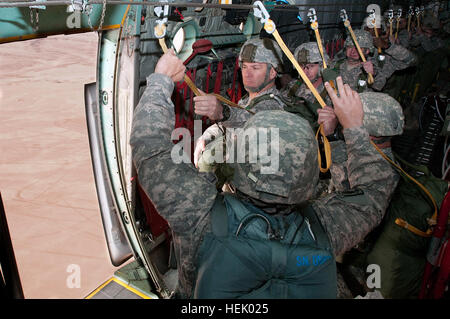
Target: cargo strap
(401, 222)
(270, 27)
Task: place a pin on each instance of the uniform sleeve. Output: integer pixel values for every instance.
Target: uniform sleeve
(349, 216)
(180, 194)
(397, 58)
(338, 168)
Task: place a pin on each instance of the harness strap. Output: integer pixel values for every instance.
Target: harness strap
(218, 82)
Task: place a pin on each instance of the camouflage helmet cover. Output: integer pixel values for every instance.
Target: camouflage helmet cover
(294, 179)
(363, 37)
(263, 51)
(309, 53)
(383, 115)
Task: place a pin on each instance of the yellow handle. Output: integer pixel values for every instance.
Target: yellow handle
(376, 35)
(319, 44)
(396, 33)
(308, 83)
(409, 22)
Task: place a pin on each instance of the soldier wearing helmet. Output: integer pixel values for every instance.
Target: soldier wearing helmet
(311, 62)
(189, 201)
(260, 61)
(354, 72)
(383, 119)
(297, 95)
(382, 67)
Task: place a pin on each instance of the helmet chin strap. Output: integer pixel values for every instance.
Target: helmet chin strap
(266, 82)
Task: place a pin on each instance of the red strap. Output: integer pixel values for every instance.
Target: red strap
(218, 83)
(208, 76)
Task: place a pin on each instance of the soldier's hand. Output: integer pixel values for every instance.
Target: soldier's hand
(208, 105)
(199, 149)
(368, 67)
(347, 106)
(170, 65)
(328, 118)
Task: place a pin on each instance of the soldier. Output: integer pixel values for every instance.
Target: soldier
(310, 60)
(185, 197)
(302, 100)
(383, 118)
(260, 62)
(353, 71)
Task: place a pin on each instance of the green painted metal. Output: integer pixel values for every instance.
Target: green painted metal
(16, 23)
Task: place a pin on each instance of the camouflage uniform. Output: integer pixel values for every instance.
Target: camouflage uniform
(184, 196)
(396, 58)
(383, 116)
(354, 75)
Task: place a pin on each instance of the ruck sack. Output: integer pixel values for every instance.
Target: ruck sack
(251, 254)
(401, 253)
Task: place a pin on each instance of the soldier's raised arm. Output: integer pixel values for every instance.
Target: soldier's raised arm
(349, 216)
(167, 176)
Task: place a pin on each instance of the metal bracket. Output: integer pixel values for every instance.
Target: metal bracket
(411, 11)
(344, 17)
(417, 10)
(261, 13)
(313, 18)
(399, 14)
(390, 15)
(372, 18)
(80, 5)
(39, 7)
(162, 13)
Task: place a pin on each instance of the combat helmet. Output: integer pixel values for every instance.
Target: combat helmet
(363, 37)
(309, 53)
(292, 175)
(383, 115)
(263, 51)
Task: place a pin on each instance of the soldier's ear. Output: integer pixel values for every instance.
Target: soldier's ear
(273, 73)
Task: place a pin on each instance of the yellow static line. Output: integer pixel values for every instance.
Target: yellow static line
(120, 282)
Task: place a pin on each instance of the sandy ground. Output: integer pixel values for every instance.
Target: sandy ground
(46, 177)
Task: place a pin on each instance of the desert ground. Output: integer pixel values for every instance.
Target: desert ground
(46, 179)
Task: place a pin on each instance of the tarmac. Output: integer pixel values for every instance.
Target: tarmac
(46, 178)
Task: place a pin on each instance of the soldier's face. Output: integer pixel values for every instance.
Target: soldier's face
(254, 74)
(311, 70)
(352, 53)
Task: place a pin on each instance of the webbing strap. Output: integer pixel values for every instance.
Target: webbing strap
(291, 58)
(208, 76)
(218, 83)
